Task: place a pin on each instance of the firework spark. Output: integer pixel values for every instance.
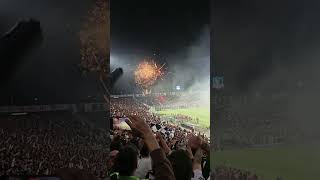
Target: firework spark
(148, 73)
(94, 38)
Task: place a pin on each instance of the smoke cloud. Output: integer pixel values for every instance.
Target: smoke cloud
(190, 68)
(271, 57)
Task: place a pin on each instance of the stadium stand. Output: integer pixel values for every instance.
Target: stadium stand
(187, 151)
(42, 142)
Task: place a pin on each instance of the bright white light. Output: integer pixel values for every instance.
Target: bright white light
(112, 60)
(178, 88)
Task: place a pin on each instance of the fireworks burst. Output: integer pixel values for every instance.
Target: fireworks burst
(94, 38)
(148, 73)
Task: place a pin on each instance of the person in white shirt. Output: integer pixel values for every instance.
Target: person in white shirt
(197, 170)
(144, 163)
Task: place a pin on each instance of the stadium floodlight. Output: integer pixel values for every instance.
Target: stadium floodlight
(178, 88)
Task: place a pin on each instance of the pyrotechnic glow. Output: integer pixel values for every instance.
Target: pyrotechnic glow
(148, 73)
(94, 38)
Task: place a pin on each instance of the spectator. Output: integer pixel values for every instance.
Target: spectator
(144, 163)
(125, 163)
(170, 140)
(197, 169)
(182, 165)
(160, 164)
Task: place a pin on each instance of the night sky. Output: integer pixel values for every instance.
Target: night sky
(138, 29)
(167, 28)
(261, 45)
(149, 25)
(50, 72)
(256, 44)
(268, 50)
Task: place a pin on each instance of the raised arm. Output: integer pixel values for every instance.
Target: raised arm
(163, 143)
(160, 164)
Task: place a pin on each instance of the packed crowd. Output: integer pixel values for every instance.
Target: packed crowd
(45, 143)
(153, 148)
(265, 130)
(262, 115)
(229, 173)
(41, 143)
(184, 118)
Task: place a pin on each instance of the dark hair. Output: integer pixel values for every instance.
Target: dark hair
(144, 152)
(135, 142)
(111, 123)
(117, 143)
(181, 164)
(126, 161)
